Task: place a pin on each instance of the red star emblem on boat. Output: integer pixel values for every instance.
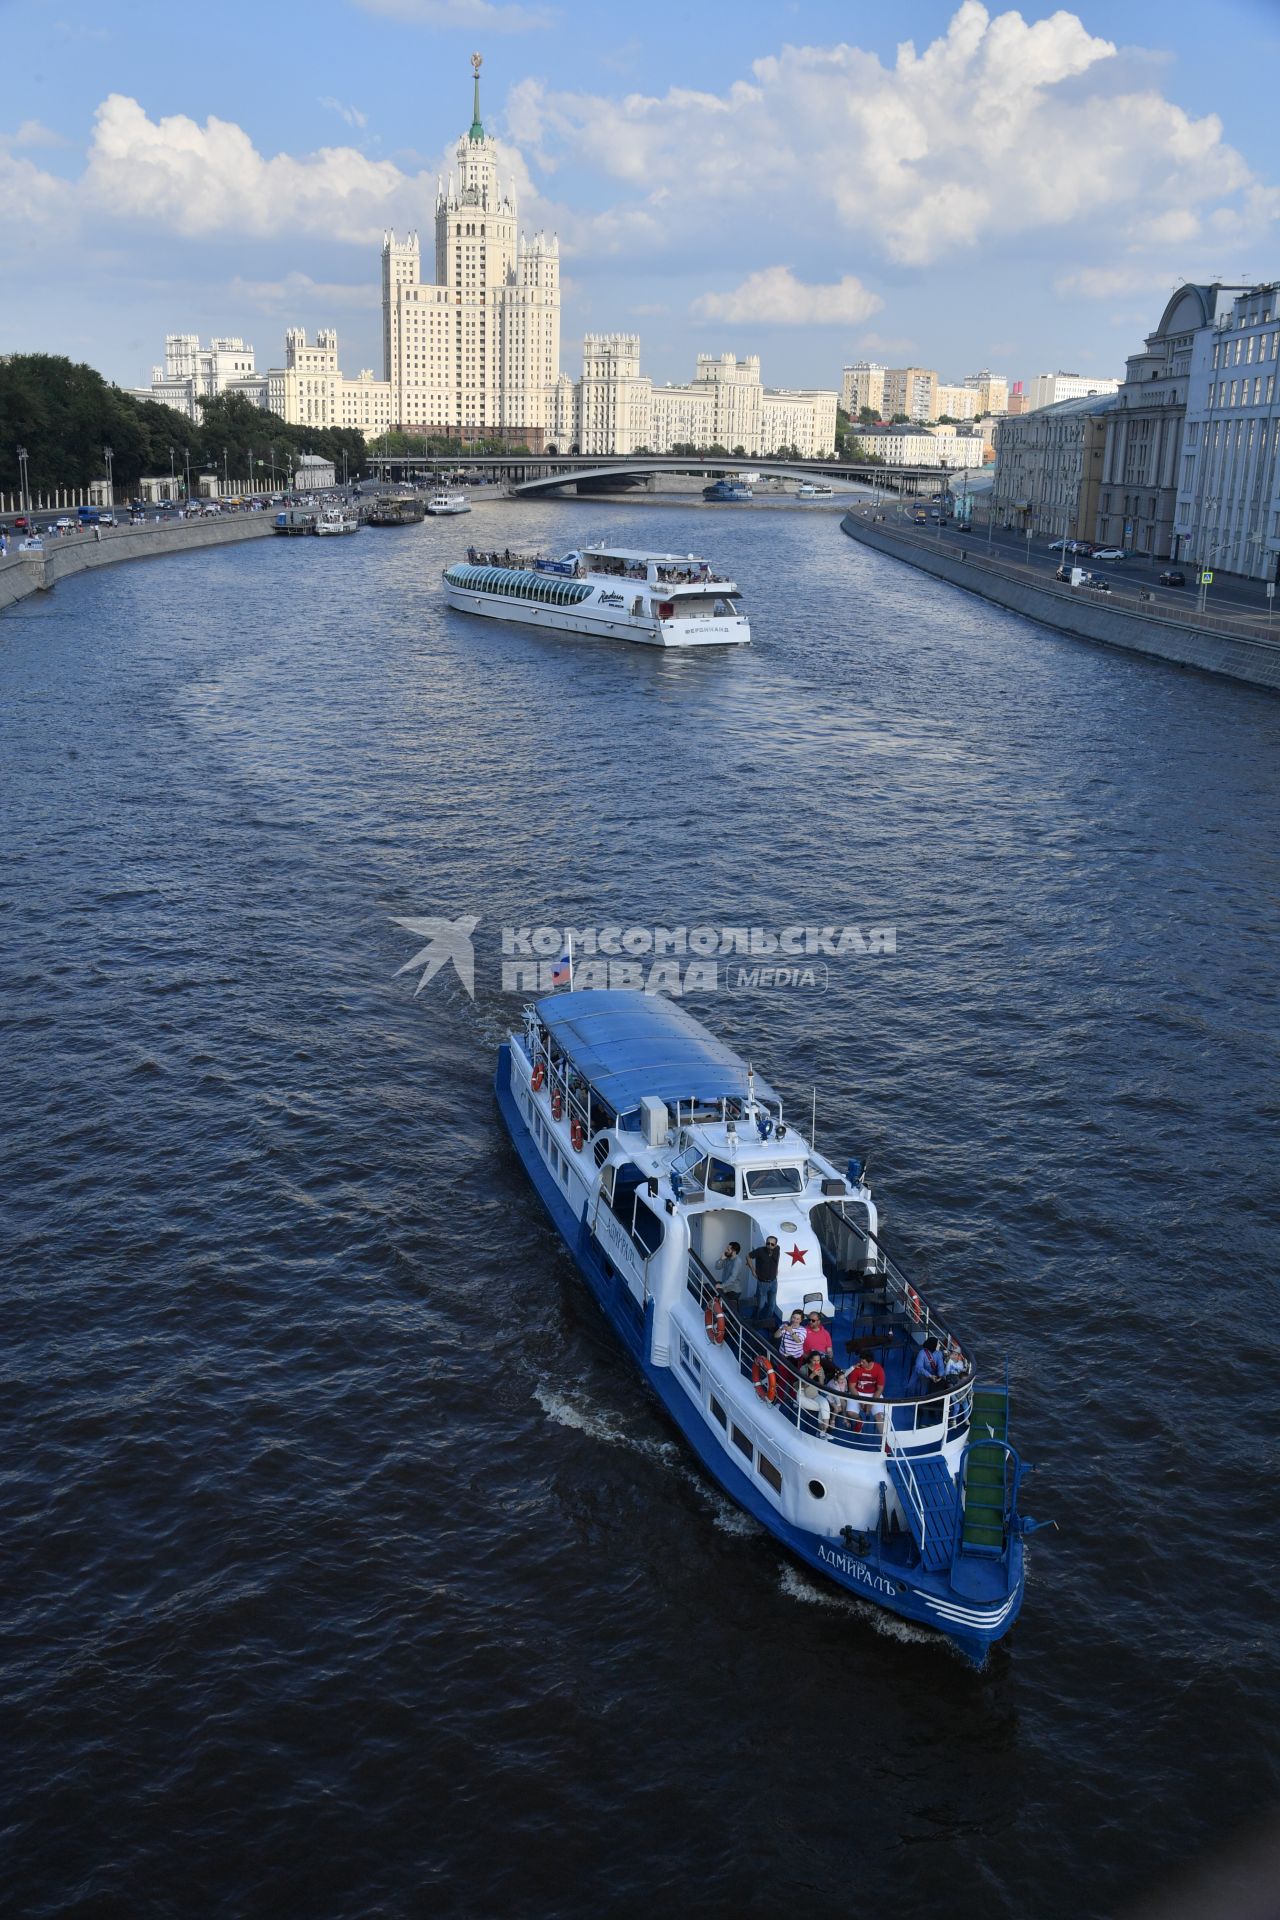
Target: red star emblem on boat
(797, 1256)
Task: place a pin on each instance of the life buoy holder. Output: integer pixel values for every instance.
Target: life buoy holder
(539, 1075)
(764, 1377)
(713, 1321)
(577, 1136)
(557, 1104)
(913, 1305)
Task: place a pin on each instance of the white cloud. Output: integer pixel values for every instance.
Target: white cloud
(774, 297)
(1001, 126)
(352, 115)
(484, 15)
(32, 133)
(298, 291)
(201, 180)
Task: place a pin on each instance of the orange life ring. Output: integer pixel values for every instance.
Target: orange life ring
(763, 1377)
(713, 1320)
(913, 1305)
(557, 1104)
(539, 1075)
(576, 1135)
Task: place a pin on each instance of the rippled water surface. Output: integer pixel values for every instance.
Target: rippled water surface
(348, 1570)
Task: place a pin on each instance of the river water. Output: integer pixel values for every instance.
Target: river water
(349, 1570)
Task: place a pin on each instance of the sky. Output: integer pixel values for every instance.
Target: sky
(945, 184)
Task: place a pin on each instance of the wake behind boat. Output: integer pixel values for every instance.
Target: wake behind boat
(885, 1465)
(657, 599)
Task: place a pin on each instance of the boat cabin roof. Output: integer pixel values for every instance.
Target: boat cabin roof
(632, 1045)
(642, 554)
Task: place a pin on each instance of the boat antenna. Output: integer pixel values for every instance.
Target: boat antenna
(813, 1122)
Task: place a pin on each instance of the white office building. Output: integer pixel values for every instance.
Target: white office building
(191, 373)
(620, 411)
(1227, 514)
(1048, 389)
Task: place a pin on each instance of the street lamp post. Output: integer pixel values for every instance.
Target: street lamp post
(226, 481)
(24, 480)
(186, 464)
(108, 456)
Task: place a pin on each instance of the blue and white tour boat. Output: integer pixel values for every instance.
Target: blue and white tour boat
(653, 1147)
(613, 593)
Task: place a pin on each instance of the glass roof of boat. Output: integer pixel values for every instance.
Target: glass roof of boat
(629, 1044)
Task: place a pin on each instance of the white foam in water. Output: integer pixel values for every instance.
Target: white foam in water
(583, 1417)
(797, 1586)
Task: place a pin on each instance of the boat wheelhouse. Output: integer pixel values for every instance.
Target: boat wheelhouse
(613, 593)
(653, 1147)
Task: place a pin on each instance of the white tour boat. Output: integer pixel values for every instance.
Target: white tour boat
(337, 520)
(653, 1148)
(657, 599)
(813, 490)
(442, 503)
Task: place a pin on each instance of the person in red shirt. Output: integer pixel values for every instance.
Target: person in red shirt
(817, 1339)
(866, 1382)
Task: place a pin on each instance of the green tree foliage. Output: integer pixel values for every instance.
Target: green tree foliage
(64, 414)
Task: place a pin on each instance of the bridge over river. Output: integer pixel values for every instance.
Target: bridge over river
(534, 474)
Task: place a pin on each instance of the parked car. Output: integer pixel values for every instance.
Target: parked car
(1083, 547)
(1061, 546)
(1173, 577)
(1109, 553)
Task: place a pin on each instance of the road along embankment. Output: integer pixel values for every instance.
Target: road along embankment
(24, 573)
(1086, 616)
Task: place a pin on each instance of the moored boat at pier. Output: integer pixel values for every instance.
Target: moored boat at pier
(655, 1149)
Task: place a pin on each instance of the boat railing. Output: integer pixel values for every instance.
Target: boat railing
(878, 1265)
(862, 1426)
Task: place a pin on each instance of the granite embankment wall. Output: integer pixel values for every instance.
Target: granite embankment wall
(1086, 617)
(24, 573)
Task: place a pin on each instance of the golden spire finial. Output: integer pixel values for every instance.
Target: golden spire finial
(477, 130)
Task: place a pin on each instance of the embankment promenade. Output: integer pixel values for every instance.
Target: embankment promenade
(1234, 647)
(24, 573)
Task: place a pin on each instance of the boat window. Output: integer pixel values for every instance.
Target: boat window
(742, 1441)
(769, 1472)
(648, 1231)
(762, 1181)
(718, 1412)
(725, 609)
(721, 1178)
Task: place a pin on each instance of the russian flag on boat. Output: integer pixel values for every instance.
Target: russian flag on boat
(563, 969)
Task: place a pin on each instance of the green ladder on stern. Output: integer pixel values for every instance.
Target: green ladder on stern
(987, 1470)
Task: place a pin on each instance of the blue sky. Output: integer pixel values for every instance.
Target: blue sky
(1017, 190)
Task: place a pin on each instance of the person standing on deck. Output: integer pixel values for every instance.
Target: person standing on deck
(763, 1262)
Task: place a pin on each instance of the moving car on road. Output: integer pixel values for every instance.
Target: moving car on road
(1173, 577)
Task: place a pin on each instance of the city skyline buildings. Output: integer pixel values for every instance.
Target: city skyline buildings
(1069, 170)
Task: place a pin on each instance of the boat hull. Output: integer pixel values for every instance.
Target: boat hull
(591, 624)
(906, 1593)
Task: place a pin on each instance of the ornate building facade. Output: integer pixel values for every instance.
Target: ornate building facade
(475, 352)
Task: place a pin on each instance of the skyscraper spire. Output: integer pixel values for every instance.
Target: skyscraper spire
(477, 130)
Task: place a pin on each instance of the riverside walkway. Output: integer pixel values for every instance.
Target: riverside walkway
(1236, 644)
(24, 573)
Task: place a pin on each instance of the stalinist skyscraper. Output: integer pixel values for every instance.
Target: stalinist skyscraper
(476, 352)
